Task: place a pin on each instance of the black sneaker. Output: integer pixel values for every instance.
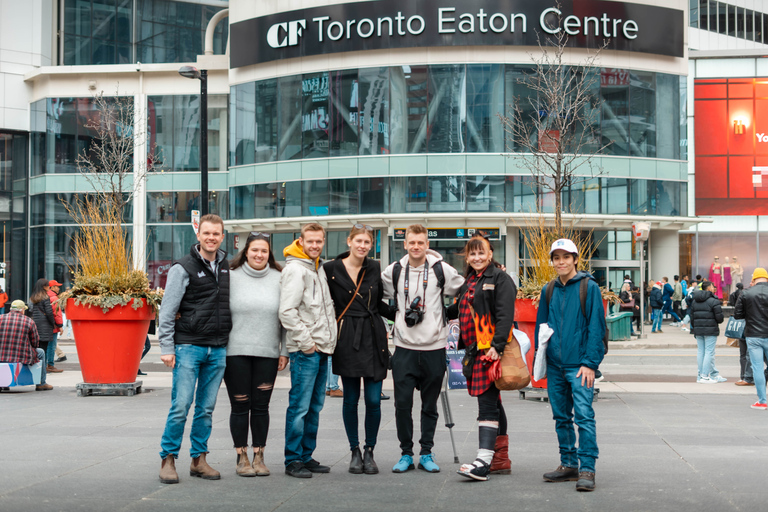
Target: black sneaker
(61, 359)
(316, 467)
(296, 469)
(586, 482)
(562, 474)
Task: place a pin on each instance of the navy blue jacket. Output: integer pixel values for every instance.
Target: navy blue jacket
(656, 301)
(668, 292)
(577, 341)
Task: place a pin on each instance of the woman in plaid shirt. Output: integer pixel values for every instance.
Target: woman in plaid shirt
(486, 310)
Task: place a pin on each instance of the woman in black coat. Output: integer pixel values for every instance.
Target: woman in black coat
(42, 313)
(361, 349)
(706, 315)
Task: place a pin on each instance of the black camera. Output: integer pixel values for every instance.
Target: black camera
(414, 314)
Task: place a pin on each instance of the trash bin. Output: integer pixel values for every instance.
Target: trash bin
(619, 326)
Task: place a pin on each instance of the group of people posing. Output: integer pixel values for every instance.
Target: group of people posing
(247, 319)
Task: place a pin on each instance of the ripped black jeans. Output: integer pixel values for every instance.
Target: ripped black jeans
(249, 383)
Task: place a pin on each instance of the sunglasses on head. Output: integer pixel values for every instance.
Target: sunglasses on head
(258, 234)
(364, 226)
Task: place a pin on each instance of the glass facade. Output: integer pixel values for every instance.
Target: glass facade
(440, 194)
(449, 108)
(128, 31)
(730, 20)
(13, 192)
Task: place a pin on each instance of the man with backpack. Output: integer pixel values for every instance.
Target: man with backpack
(573, 309)
(418, 282)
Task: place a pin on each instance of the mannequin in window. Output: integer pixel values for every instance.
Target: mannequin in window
(716, 277)
(737, 272)
(727, 281)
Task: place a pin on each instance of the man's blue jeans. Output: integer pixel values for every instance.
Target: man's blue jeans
(758, 348)
(668, 309)
(50, 353)
(705, 357)
(566, 397)
(305, 401)
(201, 367)
(333, 379)
(656, 317)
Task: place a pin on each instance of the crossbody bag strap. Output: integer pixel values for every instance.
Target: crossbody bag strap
(354, 296)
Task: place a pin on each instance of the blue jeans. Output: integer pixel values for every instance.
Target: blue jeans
(566, 397)
(372, 397)
(333, 379)
(705, 357)
(668, 309)
(50, 353)
(656, 317)
(196, 366)
(305, 401)
(758, 349)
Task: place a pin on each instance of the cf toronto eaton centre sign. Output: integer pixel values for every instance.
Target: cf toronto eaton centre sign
(384, 24)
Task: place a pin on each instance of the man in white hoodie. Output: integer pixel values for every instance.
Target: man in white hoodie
(420, 335)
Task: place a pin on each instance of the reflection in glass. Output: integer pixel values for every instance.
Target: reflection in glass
(316, 198)
(373, 192)
(446, 193)
(614, 195)
(485, 99)
(343, 112)
(315, 118)
(583, 197)
(485, 193)
(519, 94)
(242, 113)
(638, 197)
(447, 110)
(344, 197)
(289, 117)
(642, 112)
(408, 114)
(614, 90)
(266, 121)
(373, 92)
(289, 204)
(408, 194)
(159, 253)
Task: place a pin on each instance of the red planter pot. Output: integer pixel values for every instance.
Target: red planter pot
(109, 345)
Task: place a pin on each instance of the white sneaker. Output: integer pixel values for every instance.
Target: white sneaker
(719, 378)
(685, 329)
(674, 324)
(706, 380)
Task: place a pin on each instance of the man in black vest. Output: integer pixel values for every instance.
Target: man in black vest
(194, 330)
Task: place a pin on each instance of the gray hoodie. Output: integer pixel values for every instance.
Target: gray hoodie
(431, 333)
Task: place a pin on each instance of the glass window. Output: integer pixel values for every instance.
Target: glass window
(614, 195)
(186, 133)
(373, 94)
(316, 198)
(694, 13)
(410, 98)
(373, 193)
(668, 202)
(446, 193)
(485, 193)
(614, 91)
(160, 130)
(159, 254)
(343, 113)
(50, 248)
(242, 110)
(344, 197)
(447, 109)
(638, 197)
(241, 205)
(408, 194)
(161, 207)
(583, 196)
(314, 115)
(183, 239)
(289, 204)
(642, 113)
(525, 194)
(266, 121)
(518, 93)
(485, 100)
(289, 124)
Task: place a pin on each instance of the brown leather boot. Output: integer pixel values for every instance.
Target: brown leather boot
(244, 467)
(168, 473)
(258, 462)
(501, 465)
(200, 468)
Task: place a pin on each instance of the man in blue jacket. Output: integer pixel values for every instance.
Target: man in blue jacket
(666, 297)
(574, 352)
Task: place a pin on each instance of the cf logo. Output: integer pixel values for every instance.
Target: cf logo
(285, 34)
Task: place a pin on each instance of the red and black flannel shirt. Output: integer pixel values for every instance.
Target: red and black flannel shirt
(479, 382)
(18, 338)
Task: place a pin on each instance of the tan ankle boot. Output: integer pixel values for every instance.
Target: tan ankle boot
(200, 468)
(168, 473)
(258, 462)
(244, 467)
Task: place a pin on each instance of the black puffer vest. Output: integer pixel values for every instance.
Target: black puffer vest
(204, 311)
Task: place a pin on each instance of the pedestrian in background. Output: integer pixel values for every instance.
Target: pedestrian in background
(361, 356)
(19, 341)
(43, 316)
(677, 298)
(706, 316)
(752, 306)
(667, 292)
(656, 303)
(53, 294)
(3, 299)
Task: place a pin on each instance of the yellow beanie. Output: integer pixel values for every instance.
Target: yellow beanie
(758, 273)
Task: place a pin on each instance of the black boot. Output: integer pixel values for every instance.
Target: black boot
(356, 463)
(369, 465)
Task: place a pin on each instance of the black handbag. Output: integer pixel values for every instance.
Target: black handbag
(468, 363)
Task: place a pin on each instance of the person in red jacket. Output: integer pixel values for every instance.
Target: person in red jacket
(53, 293)
(3, 299)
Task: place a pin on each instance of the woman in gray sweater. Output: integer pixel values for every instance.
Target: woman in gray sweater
(256, 351)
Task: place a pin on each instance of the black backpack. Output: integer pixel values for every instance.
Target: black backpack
(582, 298)
(397, 269)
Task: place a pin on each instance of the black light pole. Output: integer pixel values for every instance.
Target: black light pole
(202, 75)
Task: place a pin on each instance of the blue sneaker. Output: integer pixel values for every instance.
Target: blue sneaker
(427, 463)
(404, 464)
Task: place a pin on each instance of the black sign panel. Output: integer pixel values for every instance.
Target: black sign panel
(452, 233)
(407, 23)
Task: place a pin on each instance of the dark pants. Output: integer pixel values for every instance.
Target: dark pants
(676, 308)
(490, 408)
(422, 370)
(637, 320)
(44, 345)
(147, 346)
(249, 384)
(372, 398)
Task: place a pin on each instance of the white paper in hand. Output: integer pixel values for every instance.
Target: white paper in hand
(523, 340)
(540, 363)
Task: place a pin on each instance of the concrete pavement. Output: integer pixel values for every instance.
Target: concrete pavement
(673, 446)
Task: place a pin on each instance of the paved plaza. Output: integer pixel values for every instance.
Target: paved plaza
(666, 443)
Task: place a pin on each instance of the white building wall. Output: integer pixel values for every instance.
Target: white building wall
(27, 32)
(665, 254)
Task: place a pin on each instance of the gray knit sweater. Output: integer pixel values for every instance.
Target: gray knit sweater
(254, 297)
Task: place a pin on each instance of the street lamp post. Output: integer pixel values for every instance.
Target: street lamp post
(202, 75)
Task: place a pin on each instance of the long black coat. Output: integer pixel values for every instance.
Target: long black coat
(42, 314)
(361, 348)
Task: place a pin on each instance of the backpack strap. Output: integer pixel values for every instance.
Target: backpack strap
(397, 269)
(440, 275)
(550, 290)
(583, 296)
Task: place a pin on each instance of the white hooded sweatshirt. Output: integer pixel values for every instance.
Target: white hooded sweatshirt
(431, 333)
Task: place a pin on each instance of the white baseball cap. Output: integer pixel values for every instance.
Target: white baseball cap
(565, 245)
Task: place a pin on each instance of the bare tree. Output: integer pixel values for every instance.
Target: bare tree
(108, 162)
(554, 132)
